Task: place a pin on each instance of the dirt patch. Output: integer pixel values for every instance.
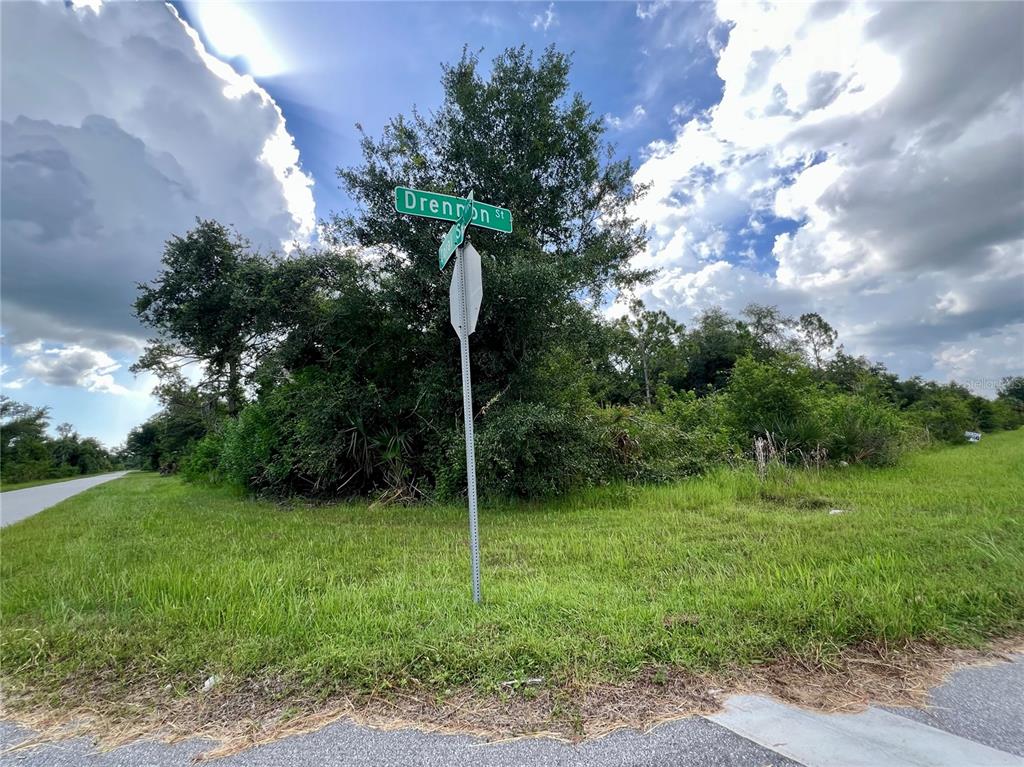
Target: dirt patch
(247, 715)
(868, 674)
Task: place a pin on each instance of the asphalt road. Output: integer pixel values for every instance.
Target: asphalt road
(17, 505)
(976, 719)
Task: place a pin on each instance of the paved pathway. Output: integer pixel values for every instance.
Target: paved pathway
(976, 719)
(16, 505)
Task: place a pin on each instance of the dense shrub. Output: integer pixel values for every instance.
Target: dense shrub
(251, 453)
(944, 416)
(861, 430)
(709, 437)
(781, 398)
(778, 397)
(515, 456)
(202, 464)
(317, 434)
(640, 445)
(517, 453)
(994, 415)
(164, 442)
(1008, 414)
(28, 470)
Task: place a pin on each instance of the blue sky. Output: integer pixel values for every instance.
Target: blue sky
(862, 160)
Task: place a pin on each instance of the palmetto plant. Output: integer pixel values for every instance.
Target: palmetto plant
(392, 450)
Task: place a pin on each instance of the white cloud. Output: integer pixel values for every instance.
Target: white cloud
(650, 10)
(28, 348)
(91, 369)
(893, 136)
(17, 383)
(627, 122)
(545, 20)
(119, 129)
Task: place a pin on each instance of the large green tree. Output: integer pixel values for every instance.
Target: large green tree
(377, 324)
(770, 330)
(650, 348)
(24, 445)
(713, 346)
(519, 139)
(207, 307)
(818, 337)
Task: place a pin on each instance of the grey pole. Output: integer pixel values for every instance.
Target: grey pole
(467, 414)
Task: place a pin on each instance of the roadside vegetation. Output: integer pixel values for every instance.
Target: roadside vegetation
(655, 496)
(334, 372)
(30, 456)
(149, 581)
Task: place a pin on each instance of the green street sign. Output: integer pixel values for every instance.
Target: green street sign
(416, 202)
(455, 235)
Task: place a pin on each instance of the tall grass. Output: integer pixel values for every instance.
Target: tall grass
(150, 579)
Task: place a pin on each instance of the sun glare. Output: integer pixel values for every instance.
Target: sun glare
(233, 32)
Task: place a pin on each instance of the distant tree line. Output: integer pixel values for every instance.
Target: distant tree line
(28, 452)
(335, 371)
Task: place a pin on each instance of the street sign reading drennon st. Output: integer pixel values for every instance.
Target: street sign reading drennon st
(416, 202)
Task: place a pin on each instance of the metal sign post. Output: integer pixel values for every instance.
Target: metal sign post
(465, 296)
(466, 293)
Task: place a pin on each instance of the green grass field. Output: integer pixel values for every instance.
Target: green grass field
(147, 580)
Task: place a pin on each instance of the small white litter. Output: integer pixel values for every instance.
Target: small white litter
(517, 682)
(837, 511)
(209, 683)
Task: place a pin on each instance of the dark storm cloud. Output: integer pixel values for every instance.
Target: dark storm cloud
(117, 134)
